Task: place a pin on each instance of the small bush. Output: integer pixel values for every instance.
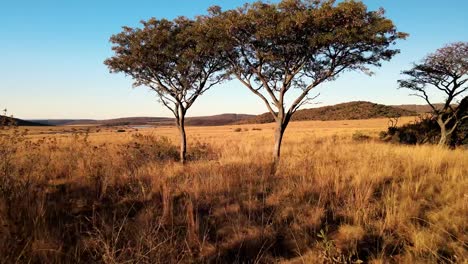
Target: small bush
(359, 136)
(120, 130)
(426, 130)
(148, 148)
(238, 129)
(201, 151)
(256, 129)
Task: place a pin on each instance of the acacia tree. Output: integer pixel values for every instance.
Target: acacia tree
(294, 46)
(446, 71)
(176, 59)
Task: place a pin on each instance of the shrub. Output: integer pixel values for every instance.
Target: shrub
(423, 131)
(148, 148)
(426, 130)
(238, 129)
(359, 136)
(201, 151)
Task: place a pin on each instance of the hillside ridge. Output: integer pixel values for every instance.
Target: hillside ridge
(213, 120)
(18, 122)
(344, 111)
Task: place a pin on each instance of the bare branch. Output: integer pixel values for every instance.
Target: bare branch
(307, 100)
(258, 94)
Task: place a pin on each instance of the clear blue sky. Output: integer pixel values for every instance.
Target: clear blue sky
(52, 53)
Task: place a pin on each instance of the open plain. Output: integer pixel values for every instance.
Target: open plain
(340, 195)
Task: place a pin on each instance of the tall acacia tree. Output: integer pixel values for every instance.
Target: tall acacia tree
(445, 70)
(274, 49)
(176, 59)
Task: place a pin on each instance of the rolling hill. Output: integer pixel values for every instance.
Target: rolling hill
(344, 111)
(420, 109)
(19, 122)
(215, 120)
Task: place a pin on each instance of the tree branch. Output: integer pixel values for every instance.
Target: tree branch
(249, 86)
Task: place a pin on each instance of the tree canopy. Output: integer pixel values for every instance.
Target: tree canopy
(297, 45)
(446, 71)
(176, 59)
(173, 58)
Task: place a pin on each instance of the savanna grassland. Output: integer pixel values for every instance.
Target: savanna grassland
(340, 195)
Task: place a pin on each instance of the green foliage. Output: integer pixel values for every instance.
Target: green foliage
(177, 59)
(174, 58)
(329, 251)
(327, 243)
(272, 48)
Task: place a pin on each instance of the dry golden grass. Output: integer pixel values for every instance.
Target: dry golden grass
(119, 197)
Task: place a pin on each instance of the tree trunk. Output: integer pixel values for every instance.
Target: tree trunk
(183, 138)
(167, 205)
(443, 132)
(279, 132)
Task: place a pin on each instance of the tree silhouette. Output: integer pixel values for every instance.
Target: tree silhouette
(176, 59)
(292, 47)
(446, 70)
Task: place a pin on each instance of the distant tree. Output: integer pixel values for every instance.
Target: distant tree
(176, 59)
(446, 70)
(293, 46)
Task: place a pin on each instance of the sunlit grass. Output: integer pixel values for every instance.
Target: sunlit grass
(113, 197)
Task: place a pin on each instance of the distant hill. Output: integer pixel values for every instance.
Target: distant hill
(344, 111)
(61, 122)
(420, 109)
(215, 120)
(18, 122)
